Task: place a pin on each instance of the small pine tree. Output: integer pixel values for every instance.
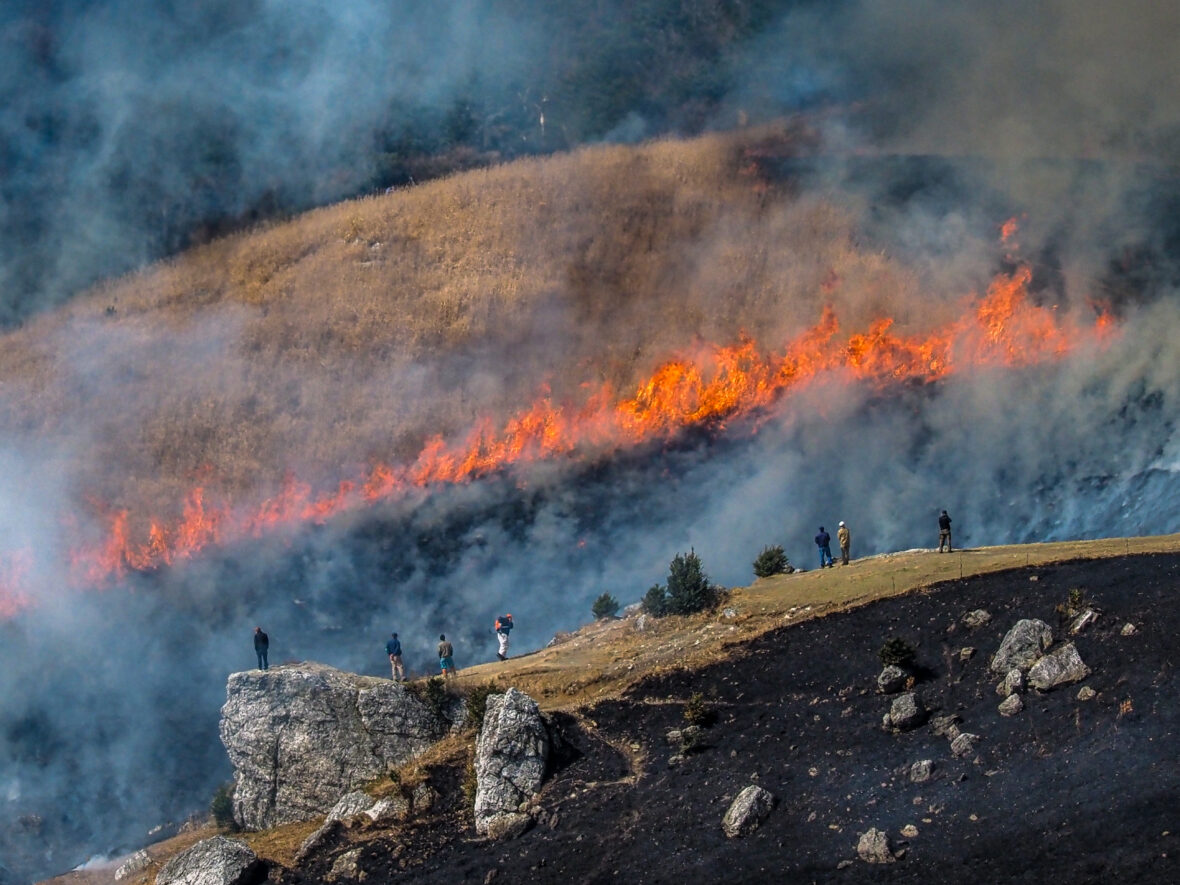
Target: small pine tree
(655, 601)
(898, 652)
(771, 561)
(689, 590)
(222, 808)
(605, 606)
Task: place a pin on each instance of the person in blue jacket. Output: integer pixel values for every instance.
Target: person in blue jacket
(261, 647)
(824, 542)
(393, 648)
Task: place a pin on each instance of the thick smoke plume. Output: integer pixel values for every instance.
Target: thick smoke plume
(1061, 111)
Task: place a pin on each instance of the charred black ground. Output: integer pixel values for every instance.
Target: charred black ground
(1069, 790)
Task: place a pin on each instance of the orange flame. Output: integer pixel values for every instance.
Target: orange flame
(1002, 329)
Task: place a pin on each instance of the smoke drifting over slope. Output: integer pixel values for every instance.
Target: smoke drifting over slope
(1063, 112)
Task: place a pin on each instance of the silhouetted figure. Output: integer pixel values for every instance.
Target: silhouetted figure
(503, 628)
(845, 538)
(824, 542)
(944, 533)
(393, 648)
(446, 656)
(261, 647)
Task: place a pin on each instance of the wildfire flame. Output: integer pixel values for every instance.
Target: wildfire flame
(1003, 328)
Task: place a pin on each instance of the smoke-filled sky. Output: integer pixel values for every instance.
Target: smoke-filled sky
(125, 125)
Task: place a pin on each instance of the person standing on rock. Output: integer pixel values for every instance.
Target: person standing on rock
(824, 542)
(845, 538)
(503, 628)
(944, 532)
(261, 647)
(446, 656)
(393, 648)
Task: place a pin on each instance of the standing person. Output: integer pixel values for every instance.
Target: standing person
(261, 647)
(944, 533)
(393, 648)
(446, 656)
(503, 628)
(824, 542)
(845, 538)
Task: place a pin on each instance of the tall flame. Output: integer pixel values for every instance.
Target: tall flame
(1003, 328)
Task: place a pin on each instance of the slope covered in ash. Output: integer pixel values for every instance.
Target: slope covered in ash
(1069, 789)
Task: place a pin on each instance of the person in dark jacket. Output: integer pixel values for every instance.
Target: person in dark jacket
(824, 542)
(393, 648)
(261, 647)
(503, 628)
(944, 532)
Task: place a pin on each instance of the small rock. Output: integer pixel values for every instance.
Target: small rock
(921, 771)
(1022, 645)
(887, 722)
(1085, 693)
(1034, 578)
(673, 737)
(1082, 621)
(350, 804)
(216, 861)
(559, 638)
(1128, 629)
(641, 623)
(317, 840)
(892, 679)
(909, 831)
(978, 618)
(729, 613)
(873, 847)
(946, 725)
(391, 808)
(844, 864)
(747, 812)
(1013, 683)
(907, 711)
(964, 744)
(141, 860)
(1060, 667)
(966, 653)
(1011, 705)
(507, 826)
(346, 866)
(630, 611)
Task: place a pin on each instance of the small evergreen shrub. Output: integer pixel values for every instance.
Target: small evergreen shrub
(771, 561)
(222, 807)
(689, 590)
(432, 693)
(898, 652)
(477, 704)
(605, 606)
(655, 601)
(698, 711)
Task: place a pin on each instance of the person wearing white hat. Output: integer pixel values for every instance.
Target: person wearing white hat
(845, 538)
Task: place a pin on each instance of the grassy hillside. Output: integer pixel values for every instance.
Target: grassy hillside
(353, 333)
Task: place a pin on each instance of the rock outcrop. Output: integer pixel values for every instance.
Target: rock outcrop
(511, 758)
(1023, 644)
(1060, 667)
(300, 737)
(216, 861)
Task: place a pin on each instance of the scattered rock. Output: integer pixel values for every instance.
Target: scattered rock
(216, 861)
(1011, 705)
(1085, 693)
(964, 744)
(978, 618)
(691, 737)
(674, 737)
(511, 755)
(907, 711)
(845, 864)
(346, 866)
(509, 825)
(1128, 629)
(966, 654)
(891, 680)
(1013, 683)
(641, 623)
(141, 860)
(349, 805)
(909, 831)
(947, 726)
(1082, 621)
(1060, 667)
(729, 613)
(873, 847)
(921, 771)
(390, 809)
(746, 813)
(561, 636)
(1022, 645)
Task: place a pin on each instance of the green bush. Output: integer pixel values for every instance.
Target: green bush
(222, 807)
(698, 711)
(477, 703)
(605, 606)
(432, 693)
(898, 652)
(689, 590)
(655, 601)
(771, 561)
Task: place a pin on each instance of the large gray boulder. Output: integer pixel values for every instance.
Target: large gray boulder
(1060, 667)
(301, 736)
(216, 861)
(746, 813)
(1023, 645)
(511, 758)
(907, 711)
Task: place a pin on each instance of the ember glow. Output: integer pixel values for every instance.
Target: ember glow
(713, 385)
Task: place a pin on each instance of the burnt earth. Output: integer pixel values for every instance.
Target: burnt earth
(1068, 790)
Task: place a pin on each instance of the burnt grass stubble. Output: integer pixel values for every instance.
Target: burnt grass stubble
(1068, 790)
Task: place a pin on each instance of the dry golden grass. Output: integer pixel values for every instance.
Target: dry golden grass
(603, 659)
(353, 333)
